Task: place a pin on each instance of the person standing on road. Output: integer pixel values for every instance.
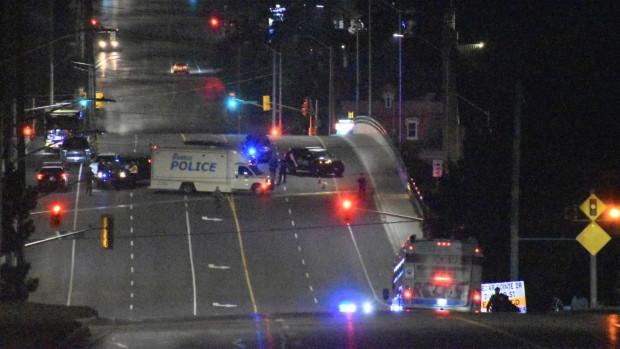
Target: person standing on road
(273, 166)
(282, 172)
(218, 196)
(361, 186)
(89, 177)
(496, 302)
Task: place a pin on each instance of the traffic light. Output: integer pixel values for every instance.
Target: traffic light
(28, 132)
(266, 103)
(214, 22)
(94, 24)
(56, 215)
(231, 101)
(347, 208)
(304, 107)
(107, 231)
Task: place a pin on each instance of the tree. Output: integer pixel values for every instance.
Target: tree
(17, 227)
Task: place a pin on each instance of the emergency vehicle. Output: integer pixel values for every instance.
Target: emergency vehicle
(440, 274)
(204, 168)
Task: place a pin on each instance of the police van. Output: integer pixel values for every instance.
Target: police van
(204, 168)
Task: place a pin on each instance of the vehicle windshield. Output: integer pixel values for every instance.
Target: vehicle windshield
(75, 143)
(321, 154)
(255, 169)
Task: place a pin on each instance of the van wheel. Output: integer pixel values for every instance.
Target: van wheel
(188, 188)
(256, 189)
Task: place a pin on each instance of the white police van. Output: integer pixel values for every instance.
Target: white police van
(204, 168)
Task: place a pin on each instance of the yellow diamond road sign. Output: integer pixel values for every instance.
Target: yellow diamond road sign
(593, 207)
(593, 238)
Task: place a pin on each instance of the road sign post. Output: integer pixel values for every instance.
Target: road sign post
(593, 238)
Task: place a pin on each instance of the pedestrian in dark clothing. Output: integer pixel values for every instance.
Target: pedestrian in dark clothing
(361, 186)
(500, 302)
(273, 166)
(282, 172)
(496, 302)
(89, 177)
(218, 196)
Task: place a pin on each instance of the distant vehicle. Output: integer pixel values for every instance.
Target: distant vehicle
(52, 176)
(68, 120)
(181, 68)
(257, 148)
(55, 137)
(205, 168)
(313, 160)
(440, 274)
(104, 159)
(108, 40)
(109, 171)
(76, 149)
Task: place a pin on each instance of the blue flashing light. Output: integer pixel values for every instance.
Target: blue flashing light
(252, 151)
(84, 102)
(396, 307)
(347, 307)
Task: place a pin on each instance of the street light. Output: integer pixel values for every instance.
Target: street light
(331, 84)
(399, 36)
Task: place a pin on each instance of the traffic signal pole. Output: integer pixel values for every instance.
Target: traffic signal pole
(417, 219)
(60, 236)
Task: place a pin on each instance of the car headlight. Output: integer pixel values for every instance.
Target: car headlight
(122, 174)
(103, 44)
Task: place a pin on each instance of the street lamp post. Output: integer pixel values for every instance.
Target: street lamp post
(331, 84)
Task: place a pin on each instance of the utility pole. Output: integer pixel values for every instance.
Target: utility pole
(514, 191)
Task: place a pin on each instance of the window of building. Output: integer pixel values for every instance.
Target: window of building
(412, 129)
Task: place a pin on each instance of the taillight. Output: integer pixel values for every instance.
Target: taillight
(40, 176)
(64, 176)
(442, 279)
(407, 294)
(477, 297)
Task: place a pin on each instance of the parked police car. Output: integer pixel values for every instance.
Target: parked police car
(114, 171)
(314, 161)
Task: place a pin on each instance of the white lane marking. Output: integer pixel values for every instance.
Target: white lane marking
(239, 343)
(205, 218)
(191, 257)
(289, 211)
(293, 223)
(295, 235)
(303, 261)
(359, 255)
(311, 289)
(75, 214)
(227, 305)
(213, 266)
(71, 275)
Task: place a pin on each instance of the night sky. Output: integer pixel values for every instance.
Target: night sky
(564, 55)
